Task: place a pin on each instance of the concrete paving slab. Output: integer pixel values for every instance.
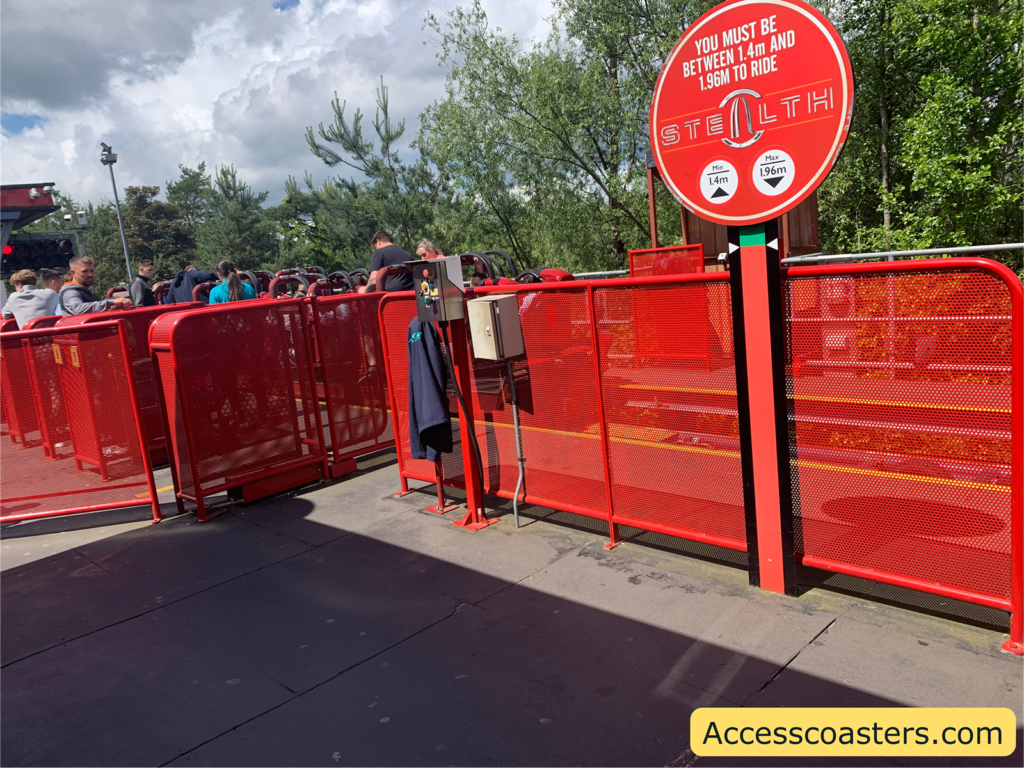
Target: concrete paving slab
(139, 693)
(886, 659)
(307, 620)
(125, 575)
(903, 667)
(928, 627)
(296, 733)
(498, 550)
(343, 506)
(726, 638)
(34, 540)
(565, 644)
(480, 690)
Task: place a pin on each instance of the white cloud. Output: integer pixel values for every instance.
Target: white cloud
(208, 81)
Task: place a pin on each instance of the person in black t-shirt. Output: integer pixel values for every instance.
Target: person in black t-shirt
(387, 254)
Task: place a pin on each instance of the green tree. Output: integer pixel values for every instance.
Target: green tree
(328, 225)
(550, 138)
(395, 195)
(935, 154)
(965, 142)
(190, 194)
(236, 227)
(156, 230)
(103, 245)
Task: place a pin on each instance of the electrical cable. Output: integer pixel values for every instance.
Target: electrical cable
(465, 410)
(520, 459)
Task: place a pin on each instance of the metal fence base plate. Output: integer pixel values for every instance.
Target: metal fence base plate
(346, 467)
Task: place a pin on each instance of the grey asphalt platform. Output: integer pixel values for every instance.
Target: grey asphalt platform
(337, 625)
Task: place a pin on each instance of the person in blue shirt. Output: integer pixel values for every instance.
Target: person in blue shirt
(231, 287)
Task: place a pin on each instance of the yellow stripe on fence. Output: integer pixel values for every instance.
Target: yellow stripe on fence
(822, 399)
(799, 463)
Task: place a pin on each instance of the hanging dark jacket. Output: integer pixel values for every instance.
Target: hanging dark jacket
(184, 282)
(430, 424)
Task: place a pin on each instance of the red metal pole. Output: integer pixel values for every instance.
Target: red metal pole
(761, 320)
(474, 519)
(908, 582)
(405, 490)
(122, 333)
(73, 510)
(440, 508)
(319, 333)
(1015, 642)
(684, 533)
(307, 335)
(172, 458)
(187, 429)
(613, 531)
(76, 492)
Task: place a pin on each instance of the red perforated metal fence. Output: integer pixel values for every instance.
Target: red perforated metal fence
(905, 388)
(906, 409)
(671, 414)
(350, 378)
(614, 426)
(238, 384)
(137, 323)
(667, 260)
(905, 383)
(396, 311)
(79, 441)
(557, 386)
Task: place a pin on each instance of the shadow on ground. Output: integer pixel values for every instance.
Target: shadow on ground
(269, 637)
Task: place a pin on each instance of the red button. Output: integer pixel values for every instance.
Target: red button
(426, 273)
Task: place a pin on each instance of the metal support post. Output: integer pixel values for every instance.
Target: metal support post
(474, 519)
(441, 507)
(763, 406)
(120, 223)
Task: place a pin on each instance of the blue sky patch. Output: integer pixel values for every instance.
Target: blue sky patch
(12, 123)
(285, 5)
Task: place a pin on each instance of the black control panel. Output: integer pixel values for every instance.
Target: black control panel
(438, 296)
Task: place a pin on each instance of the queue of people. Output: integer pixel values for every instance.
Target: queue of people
(76, 297)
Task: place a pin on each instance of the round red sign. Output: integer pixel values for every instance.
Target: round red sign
(751, 109)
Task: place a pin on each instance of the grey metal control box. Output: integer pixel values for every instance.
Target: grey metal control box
(495, 327)
(438, 286)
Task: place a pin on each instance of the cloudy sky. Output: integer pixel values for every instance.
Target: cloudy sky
(225, 81)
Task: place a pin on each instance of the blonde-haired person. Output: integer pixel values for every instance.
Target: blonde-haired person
(231, 287)
(427, 250)
(29, 301)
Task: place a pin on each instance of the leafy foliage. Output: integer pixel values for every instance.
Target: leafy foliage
(539, 148)
(157, 231)
(190, 194)
(937, 142)
(395, 195)
(235, 226)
